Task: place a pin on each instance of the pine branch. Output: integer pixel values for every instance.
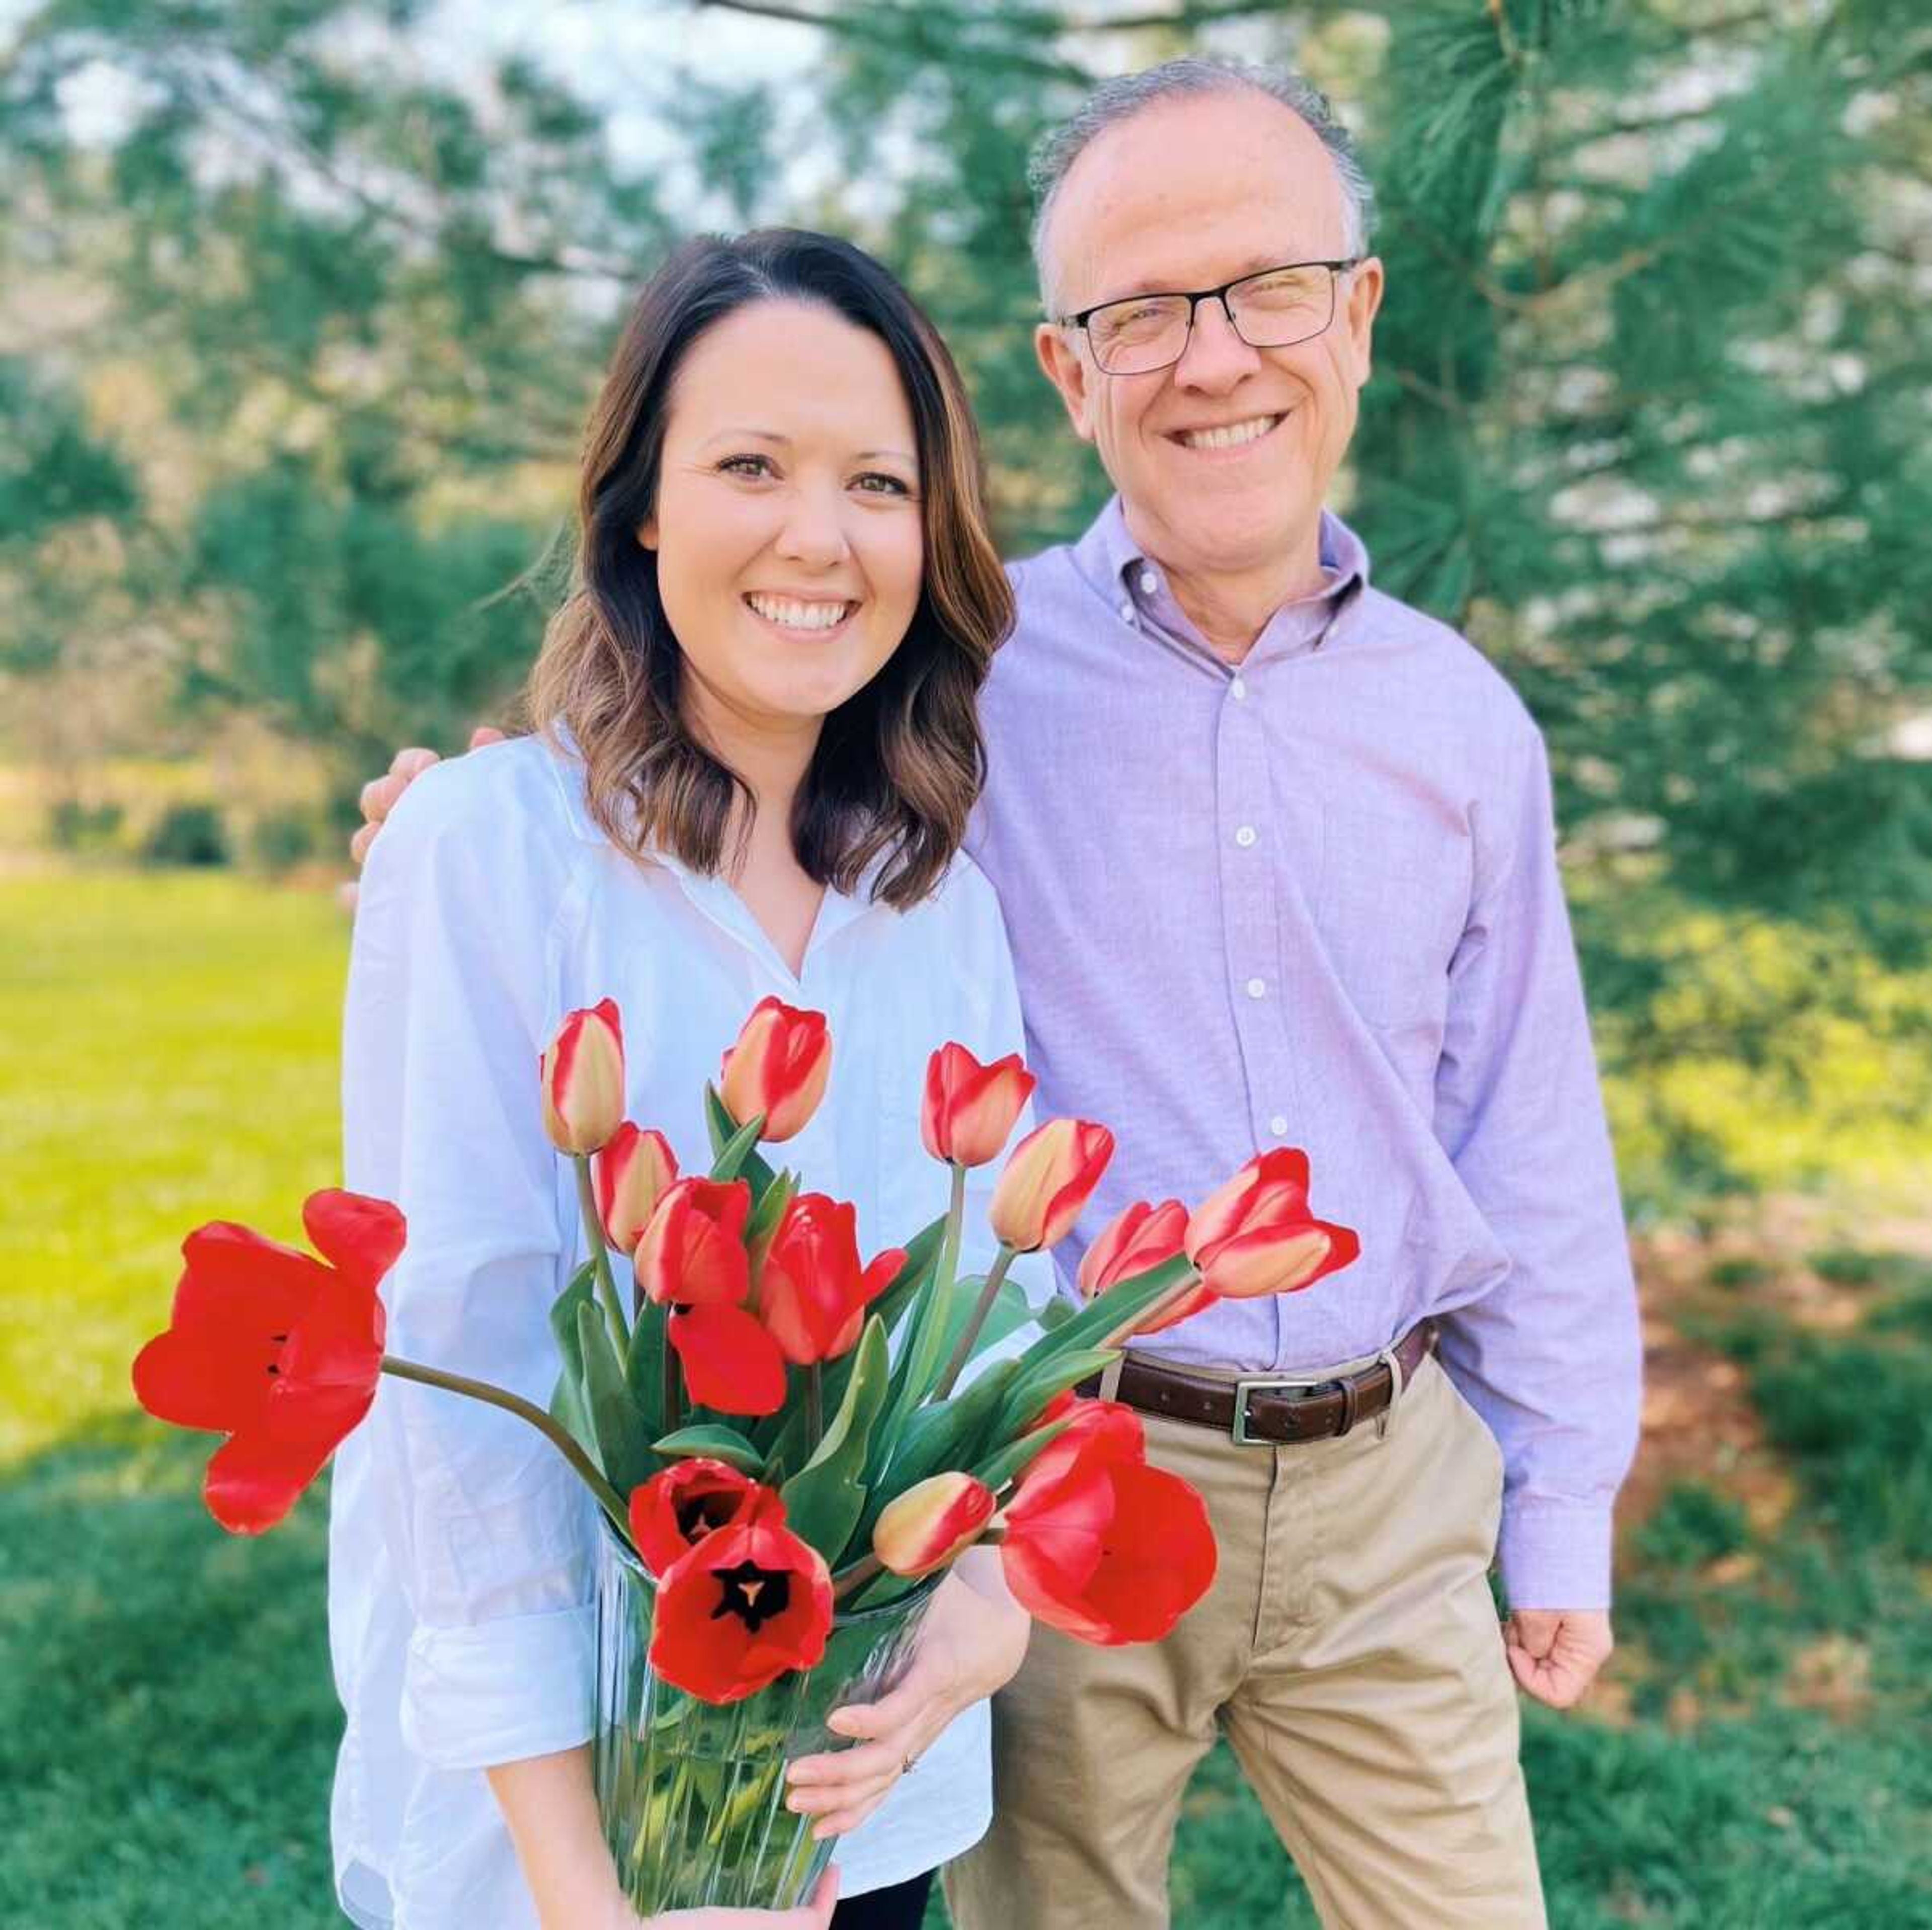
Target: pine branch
(868, 28)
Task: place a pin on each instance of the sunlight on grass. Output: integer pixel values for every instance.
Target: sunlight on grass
(171, 1058)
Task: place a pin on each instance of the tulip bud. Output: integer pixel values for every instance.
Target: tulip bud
(583, 1078)
(1255, 1235)
(970, 1109)
(632, 1174)
(1141, 1237)
(778, 1067)
(931, 1522)
(692, 1253)
(1050, 1177)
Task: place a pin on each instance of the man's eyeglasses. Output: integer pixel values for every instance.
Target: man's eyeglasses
(1273, 309)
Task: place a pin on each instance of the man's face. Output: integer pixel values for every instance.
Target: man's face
(1188, 194)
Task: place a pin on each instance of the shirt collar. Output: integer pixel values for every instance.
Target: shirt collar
(713, 893)
(1117, 566)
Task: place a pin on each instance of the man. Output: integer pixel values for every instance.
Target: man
(1277, 856)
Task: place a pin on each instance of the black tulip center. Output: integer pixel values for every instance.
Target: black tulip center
(754, 1595)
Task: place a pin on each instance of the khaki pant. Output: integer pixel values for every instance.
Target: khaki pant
(1349, 1650)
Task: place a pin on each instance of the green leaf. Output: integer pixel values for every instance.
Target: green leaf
(749, 1164)
(716, 1441)
(1125, 1301)
(825, 1499)
(643, 1370)
(563, 1315)
(1008, 1313)
(623, 1446)
(770, 1209)
(567, 1404)
(922, 1252)
(1056, 1313)
(949, 1434)
(1033, 1387)
(1013, 1460)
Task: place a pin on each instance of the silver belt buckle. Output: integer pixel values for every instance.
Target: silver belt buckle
(1272, 1383)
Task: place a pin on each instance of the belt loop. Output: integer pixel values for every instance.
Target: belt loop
(1110, 1378)
(1392, 1361)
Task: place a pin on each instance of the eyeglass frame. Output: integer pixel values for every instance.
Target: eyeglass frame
(1194, 299)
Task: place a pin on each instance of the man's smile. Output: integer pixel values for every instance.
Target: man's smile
(1228, 435)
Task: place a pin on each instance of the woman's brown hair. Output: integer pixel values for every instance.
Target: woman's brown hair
(899, 764)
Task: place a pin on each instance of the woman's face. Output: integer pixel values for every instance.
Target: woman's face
(786, 526)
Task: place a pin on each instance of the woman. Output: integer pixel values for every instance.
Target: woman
(755, 752)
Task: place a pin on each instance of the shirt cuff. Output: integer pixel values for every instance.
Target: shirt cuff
(501, 1691)
(1555, 1554)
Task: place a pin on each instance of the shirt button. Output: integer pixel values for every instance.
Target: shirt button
(1150, 583)
(1278, 1125)
(1257, 988)
(1126, 609)
(1238, 690)
(1245, 836)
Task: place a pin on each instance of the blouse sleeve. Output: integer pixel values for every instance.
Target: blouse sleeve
(450, 991)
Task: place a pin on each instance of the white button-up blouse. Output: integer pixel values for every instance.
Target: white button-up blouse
(461, 1619)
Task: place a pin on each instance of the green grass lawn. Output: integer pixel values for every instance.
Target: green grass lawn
(166, 1723)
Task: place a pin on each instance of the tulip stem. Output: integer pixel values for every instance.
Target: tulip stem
(963, 1352)
(525, 1410)
(600, 1255)
(848, 1581)
(1175, 1295)
(815, 1407)
(673, 1388)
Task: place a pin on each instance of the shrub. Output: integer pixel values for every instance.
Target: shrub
(187, 834)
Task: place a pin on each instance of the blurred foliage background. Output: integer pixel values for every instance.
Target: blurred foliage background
(302, 305)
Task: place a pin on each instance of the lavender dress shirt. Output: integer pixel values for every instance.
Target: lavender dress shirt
(1313, 899)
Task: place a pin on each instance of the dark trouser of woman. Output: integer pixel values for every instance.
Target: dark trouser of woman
(900, 1907)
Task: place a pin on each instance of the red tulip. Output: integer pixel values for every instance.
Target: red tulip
(632, 1174)
(970, 1109)
(673, 1512)
(1254, 1235)
(729, 1361)
(749, 1602)
(1140, 1239)
(933, 1520)
(1097, 1431)
(275, 1349)
(583, 1077)
(1050, 1177)
(692, 1250)
(778, 1067)
(811, 1293)
(1102, 1547)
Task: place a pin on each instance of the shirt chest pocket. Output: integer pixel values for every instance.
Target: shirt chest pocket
(1393, 902)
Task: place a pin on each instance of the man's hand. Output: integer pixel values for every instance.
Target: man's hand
(379, 796)
(1555, 1653)
(971, 1644)
(816, 1915)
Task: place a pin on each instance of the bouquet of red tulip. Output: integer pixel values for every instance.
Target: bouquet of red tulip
(789, 1445)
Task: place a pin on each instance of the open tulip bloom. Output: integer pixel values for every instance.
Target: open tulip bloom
(777, 1426)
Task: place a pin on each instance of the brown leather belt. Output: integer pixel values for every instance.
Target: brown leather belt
(1269, 1407)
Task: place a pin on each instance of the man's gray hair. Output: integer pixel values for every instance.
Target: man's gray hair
(1113, 101)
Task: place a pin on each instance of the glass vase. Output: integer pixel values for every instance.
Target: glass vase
(692, 1794)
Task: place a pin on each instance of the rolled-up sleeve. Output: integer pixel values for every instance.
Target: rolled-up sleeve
(450, 991)
(1551, 1357)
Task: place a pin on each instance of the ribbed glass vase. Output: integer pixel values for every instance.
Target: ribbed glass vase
(692, 1794)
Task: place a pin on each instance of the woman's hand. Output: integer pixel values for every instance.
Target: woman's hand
(813, 1916)
(973, 1642)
